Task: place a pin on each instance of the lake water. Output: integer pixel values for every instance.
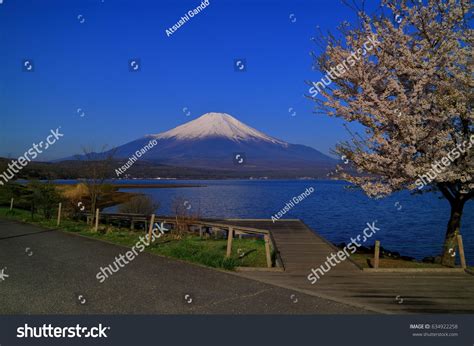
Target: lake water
(412, 225)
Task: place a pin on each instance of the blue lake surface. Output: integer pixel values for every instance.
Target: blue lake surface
(412, 225)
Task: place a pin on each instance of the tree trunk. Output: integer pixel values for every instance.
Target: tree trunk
(93, 207)
(93, 196)
(453, 229)
(32, 210)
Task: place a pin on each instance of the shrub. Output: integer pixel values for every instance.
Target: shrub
(44, 197)
(139, 205)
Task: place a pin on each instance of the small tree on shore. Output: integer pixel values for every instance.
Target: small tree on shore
(142, 204)
(184, 214)
(44, 197)
(413, 96)
(11, 190)
(98, 168)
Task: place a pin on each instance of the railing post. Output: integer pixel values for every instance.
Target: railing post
(461, 252)
(230, 237)
(59, 214)
(200, 231)
(267, 250)
(96, 228)
(377, 254)
(11, 204)
(150, 228)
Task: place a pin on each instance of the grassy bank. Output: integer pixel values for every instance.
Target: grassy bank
(209, 252)
(363, 261)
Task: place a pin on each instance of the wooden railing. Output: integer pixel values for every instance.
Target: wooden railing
(459, 244)
(215, 227)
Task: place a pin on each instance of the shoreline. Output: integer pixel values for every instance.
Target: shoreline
(154, 186)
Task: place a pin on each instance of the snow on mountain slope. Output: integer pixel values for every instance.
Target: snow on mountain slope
(211, 125)
(213, 141)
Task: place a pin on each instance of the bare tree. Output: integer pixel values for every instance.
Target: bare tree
(412, 93)
(184, 214)
(142, 204)
(98, 167)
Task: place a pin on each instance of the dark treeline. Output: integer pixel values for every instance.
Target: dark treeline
(144, 169)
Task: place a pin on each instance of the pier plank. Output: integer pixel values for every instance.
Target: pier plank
(302, 249)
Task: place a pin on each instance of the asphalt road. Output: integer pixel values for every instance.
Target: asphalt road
(54, 272)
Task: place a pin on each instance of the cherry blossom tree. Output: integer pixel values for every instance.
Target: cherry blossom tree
(410, 92)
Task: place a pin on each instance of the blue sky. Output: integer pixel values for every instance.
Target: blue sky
(85, 65)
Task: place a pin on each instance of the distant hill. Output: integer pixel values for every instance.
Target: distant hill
(75, 169)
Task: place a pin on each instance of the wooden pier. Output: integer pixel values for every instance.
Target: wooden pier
(298, 249)
(450, 291)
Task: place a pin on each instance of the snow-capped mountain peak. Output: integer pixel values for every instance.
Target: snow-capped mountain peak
(214, 125)
(212, 141)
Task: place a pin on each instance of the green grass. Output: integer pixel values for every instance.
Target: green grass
(361, 260)
(39, 220)
(209, 252)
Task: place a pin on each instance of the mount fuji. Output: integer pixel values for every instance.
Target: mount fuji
(213, 141)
